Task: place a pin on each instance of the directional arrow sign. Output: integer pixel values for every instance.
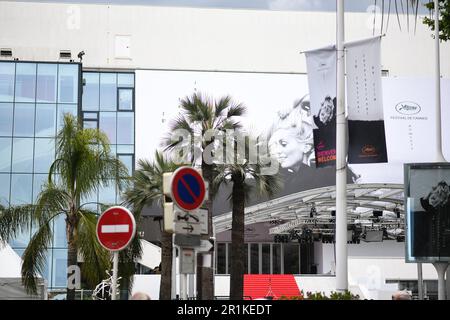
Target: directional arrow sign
(205, 246)
(183, 227)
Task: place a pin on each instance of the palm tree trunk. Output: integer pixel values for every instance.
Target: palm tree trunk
(165, 289)
(72, 250)
(205, 275)
(237, 242)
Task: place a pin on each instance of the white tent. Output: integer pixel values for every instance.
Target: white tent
(11, 287)
(151, 255)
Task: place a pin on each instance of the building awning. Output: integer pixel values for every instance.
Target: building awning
(270, 286)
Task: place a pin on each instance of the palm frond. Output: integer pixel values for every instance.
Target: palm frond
(35, 255)
(14, 220)
(96, 258)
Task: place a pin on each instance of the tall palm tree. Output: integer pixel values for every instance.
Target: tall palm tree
(147, 189)
(83, 164)
(247, 179)
(199, 115)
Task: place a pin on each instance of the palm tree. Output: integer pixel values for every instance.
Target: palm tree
(146, 190)
(246, 178)
(198, 116)
(83, 164)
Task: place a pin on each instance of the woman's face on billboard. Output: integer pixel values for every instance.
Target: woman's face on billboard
(284, 145)
(439, 195)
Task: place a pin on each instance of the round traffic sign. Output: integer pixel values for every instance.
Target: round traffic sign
(116, 228)
(188, 188)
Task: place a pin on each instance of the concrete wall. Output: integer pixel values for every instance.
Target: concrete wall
(119, 36)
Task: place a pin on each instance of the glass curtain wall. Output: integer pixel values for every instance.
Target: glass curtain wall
(33, 99)
(108, 104)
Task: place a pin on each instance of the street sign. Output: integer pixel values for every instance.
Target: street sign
(205, 246)
(116, 228)
(191, 222)
(188, 228)
(188, 188)
(185, 240)
(187, 261)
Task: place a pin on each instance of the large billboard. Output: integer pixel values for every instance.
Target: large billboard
(278, 105)
(427, 207)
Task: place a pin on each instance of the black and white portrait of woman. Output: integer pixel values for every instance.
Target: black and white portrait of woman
(434, 228)
(291, 137)
(326, 115)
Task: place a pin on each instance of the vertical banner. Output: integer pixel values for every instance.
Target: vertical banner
(321, 65)
(367, 140)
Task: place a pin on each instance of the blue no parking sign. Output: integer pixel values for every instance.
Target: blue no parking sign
(188, 188)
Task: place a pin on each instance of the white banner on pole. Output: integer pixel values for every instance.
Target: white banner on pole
(321, 65)
(367, 141)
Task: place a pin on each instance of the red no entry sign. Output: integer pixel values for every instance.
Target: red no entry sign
(116, 228)
(188, 188)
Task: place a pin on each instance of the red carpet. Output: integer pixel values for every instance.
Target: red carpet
(258, 286)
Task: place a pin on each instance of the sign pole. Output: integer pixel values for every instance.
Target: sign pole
(437, 71)
(115, 270)
(341, 158)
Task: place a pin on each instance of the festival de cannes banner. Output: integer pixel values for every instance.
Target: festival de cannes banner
(321, 65)
(427, 199)
(367, 141)
(278, 105)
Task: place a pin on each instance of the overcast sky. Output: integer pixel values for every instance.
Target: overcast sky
(291, 5)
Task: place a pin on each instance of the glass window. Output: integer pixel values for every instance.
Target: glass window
(90, 202)
(46, 82)
(44, 154)
(108, 125)
(221, 258)
(125, 128)
(5, 151)
(254, 259)
(63, 109)
(19, 252)
(108, 91)
(125, 149)
(22, 239)
(59, 274)
(91, 94)
(6, 116)
(21, 189)
(125, 80)
(25, 82)
(24, 120)
(59, 232)
(291, 258)
(22, 160)
(125, 99)
(90, 115)
(68, 83)
(276, 258)
(107, 194)
(7, 74)
(127, 160)
(266, 258)
(91, 124)
(4, 188)
(45, 120)
(39, 180)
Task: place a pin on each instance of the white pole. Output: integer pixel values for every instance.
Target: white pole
(174, 269)
(341, 158)
(183, 285)
(420, 280)
(441, 268)
(437, 70)
(114, 278)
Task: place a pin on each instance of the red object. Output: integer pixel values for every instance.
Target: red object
(272, 286)
(116, 228)
(188, 188)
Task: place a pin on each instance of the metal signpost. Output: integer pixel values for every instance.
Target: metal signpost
(184, 217)
(116, 228)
